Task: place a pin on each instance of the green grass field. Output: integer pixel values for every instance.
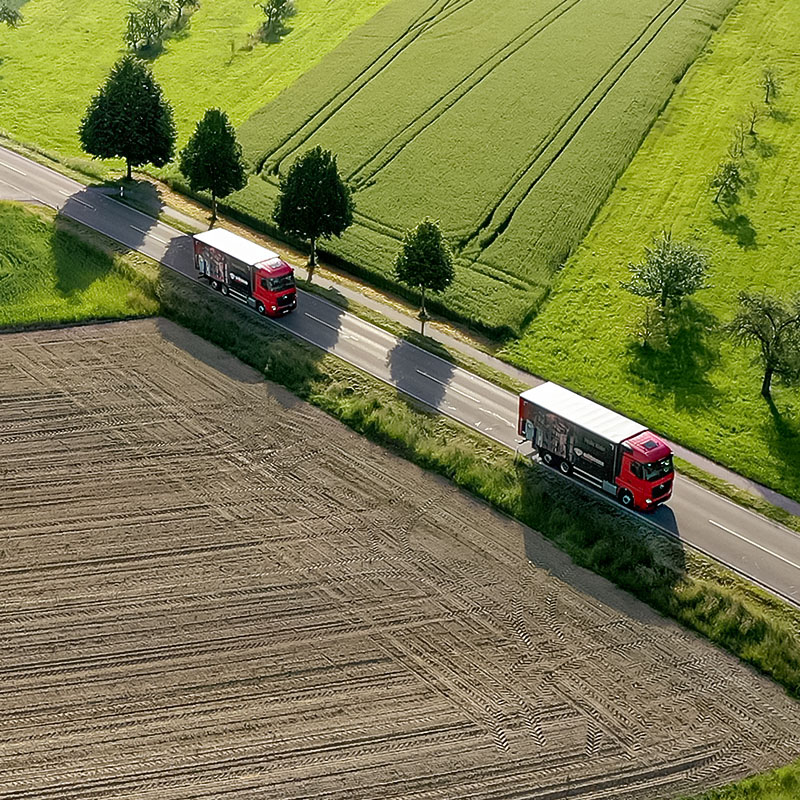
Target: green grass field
(508, 122)
(53, 64)
(70, 282)
(695, 387)
(781, 784)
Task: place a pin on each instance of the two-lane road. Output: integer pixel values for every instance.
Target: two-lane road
(752, 545)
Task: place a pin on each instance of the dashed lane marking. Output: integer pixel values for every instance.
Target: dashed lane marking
(449, 387)
(13, 169)
(755, 544)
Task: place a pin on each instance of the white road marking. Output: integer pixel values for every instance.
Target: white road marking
(14, 169)
(449, 387)
(157, 238)
(321, 321)
(16, 188)
(138, 229)
(755, 544)
(82, 202)
(42, 202)
(65, 193)
(498, 416)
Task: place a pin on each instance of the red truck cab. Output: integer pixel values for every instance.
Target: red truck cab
(274, 287)
(646, 472)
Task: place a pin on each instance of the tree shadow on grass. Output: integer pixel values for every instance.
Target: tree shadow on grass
(782, 435)
(679, 351)
(739, 227)
(77, 265)
(781, 115)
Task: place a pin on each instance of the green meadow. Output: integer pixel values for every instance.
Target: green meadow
(692, 384)
(48, 275)
(507, 121)
(61, 54)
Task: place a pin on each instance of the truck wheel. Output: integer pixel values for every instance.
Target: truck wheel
(626, 498)
(565, 467)
(224, 289)
(546, 457)
(214, 285)
(261, 308)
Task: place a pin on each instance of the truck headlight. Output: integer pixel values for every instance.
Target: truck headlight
(648, 501)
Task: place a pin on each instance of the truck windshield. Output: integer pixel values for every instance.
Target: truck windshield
(658, 469)
(279, 284)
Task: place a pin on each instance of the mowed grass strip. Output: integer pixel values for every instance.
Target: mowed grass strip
(47, 275)
(62, 53)
(508, 122)
(695, 386)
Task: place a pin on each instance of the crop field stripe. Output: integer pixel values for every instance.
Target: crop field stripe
(275, 157)
(511, 47)
(499, 227)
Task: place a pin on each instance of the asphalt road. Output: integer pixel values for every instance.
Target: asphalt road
(766, 552)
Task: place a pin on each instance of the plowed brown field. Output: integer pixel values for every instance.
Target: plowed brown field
(209, 589)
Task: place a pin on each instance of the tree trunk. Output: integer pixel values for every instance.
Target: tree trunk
(423, 315)
(312, 259)
(765, 384)
(719, 192)
(213, 209)
(128, 162)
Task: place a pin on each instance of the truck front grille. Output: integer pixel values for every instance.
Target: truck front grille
(662, 489)
(284, 300)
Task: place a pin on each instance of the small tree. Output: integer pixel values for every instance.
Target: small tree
(147, 23)
(314, 201)
(727, 180)
(770, 83)
(736, 147)
(670, 271)
(774, 325)
(276, 12)
(425, 262)
(754, 114)
(212, 159)
(10, 16)
(181, 4)
(129, 118)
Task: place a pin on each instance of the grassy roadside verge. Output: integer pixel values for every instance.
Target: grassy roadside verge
(680, 584)
(779, 784)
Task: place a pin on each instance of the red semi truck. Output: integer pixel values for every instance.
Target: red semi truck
(603, 448)
(246, 271)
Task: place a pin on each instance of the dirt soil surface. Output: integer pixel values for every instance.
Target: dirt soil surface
(209, 589)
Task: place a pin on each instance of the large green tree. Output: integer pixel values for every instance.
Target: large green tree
(129, 118)
(425, 262)
(670, 271)
(212, 159)
(774, 325)
(314, 202)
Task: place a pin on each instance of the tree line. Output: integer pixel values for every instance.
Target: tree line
(130, 118)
